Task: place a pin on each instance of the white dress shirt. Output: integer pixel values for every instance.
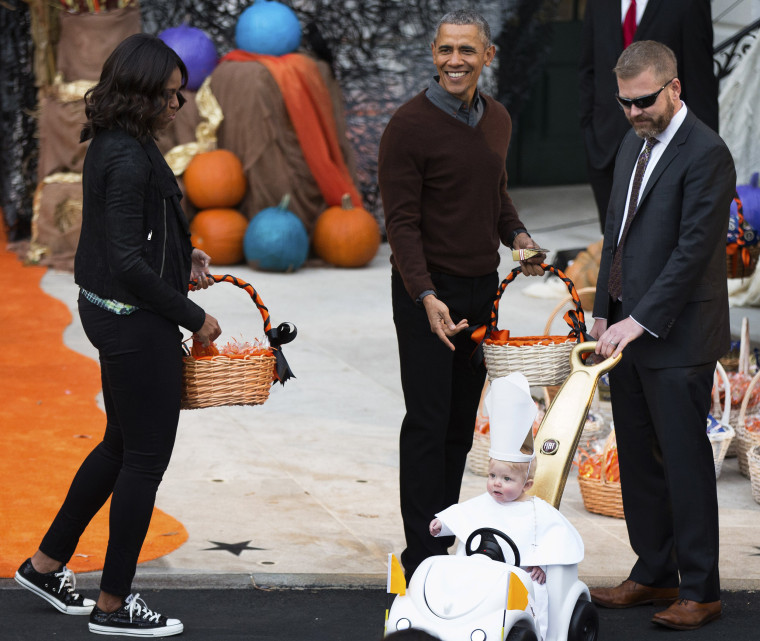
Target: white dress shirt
(641, 5)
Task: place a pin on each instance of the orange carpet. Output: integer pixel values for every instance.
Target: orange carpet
(49, 422)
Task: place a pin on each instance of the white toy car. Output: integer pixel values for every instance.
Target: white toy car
(464, 598)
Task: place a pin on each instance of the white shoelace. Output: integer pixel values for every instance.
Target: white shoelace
(139, 609)
(68, 581)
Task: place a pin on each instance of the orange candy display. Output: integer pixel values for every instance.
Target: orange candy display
(590, 466)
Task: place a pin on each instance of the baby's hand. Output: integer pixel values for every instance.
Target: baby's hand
(537, 574)
(435, 527)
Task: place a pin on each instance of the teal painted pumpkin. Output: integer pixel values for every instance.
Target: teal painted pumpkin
(268, 27)
(276, 240)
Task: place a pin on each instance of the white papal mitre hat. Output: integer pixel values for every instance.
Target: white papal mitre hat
(511, 413)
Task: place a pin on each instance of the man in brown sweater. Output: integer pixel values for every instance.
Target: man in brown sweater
(443, 181)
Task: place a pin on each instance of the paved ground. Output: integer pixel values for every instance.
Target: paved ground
(303, 490)
(327, 615)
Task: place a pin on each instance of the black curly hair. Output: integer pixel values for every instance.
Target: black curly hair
(130, 93)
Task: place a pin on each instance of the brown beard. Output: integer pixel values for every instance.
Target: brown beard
(649, 127)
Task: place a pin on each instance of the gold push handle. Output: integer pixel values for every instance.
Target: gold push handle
(560, 430)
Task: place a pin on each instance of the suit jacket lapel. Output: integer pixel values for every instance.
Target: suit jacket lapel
(627, 161)
(670, 153)
(648, 18)
(615, 18)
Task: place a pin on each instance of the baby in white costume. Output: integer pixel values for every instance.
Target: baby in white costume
(542, 535)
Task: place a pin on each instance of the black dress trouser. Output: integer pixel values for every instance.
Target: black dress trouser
(441, 392)
(667, 473)
(141, 373)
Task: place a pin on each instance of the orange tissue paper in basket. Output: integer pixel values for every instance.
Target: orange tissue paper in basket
(233, 349)
(590, 465)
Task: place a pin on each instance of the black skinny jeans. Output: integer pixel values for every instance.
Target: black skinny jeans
(141, 370)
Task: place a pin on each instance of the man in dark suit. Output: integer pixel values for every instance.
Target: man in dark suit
(662, 301)
(683, 25)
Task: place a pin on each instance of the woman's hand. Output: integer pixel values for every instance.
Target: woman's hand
(199, 269)
(209, 332)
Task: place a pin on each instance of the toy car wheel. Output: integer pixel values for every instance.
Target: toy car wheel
(521, 634)
(584, 623)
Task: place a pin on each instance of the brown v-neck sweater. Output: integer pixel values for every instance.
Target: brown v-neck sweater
(444, 191)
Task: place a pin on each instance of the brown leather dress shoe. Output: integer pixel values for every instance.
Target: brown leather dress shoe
(630, 594)
(688, 615)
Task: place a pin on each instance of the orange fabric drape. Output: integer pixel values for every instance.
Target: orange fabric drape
(309, 106)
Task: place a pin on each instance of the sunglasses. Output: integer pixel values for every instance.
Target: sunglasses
(642, 102)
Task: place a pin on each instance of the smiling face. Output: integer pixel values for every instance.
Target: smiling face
(655, 119)
(171, 92)
(507, 482)
(460, 54)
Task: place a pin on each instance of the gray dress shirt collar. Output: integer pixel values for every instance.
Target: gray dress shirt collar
(453, 105)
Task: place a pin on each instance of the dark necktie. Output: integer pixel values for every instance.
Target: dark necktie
(615, 284)
(629, 25)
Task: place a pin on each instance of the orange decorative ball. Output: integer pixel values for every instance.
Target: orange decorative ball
(219, 233)
(346, 236)
(215, 179)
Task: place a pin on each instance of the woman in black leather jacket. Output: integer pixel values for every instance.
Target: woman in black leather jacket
(133, 265)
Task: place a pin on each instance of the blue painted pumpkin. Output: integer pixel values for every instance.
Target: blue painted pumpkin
(750, 195)
(276, 240)
(196, 50)
(268, 27)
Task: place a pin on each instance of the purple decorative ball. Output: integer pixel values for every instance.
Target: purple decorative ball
(196, 50)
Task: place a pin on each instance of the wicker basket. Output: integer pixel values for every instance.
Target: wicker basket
(744, 438)
(600, 495)
(544, 360)
(739, 362)
(753, 461)
(721, 440)
(222, 380)
(477, 459)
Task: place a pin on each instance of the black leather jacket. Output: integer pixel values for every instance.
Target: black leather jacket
(134, 246)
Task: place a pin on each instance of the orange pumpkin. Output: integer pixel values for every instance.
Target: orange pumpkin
(219, 232)
(346, 236)
(215, 179)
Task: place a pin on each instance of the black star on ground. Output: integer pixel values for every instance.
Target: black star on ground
(234, 548)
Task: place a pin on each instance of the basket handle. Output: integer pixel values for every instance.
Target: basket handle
(747, 396)
(575, 318)
(721, 372)
(281, 335)
(561, 304)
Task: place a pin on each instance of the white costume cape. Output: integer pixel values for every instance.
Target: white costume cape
(542, 535)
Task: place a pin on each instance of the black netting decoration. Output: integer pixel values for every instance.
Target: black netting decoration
(379, 51)
(18, 97)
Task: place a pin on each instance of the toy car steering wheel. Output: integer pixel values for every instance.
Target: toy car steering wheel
(489, 546)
